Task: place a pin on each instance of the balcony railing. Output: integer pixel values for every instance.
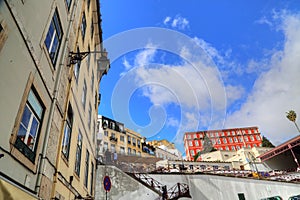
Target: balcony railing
(113, 138)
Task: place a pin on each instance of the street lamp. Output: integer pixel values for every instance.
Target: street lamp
(103, 62)
(291, 115)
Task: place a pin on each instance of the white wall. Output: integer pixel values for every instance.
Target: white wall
(202, 187)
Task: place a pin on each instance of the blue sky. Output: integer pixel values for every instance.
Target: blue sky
(185, 66)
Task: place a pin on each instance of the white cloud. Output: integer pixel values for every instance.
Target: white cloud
(171, 121)
(144, 57)
(276, 90)
(264, 20)
(176, 22)
(126, 64)
(167, 19)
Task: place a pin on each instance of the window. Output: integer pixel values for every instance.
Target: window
(219, 141)
(67, 133)
(113, 148)
(240, 139)
(235, 139)
(92, 81)
(241, 196)
(112, 125)
(68, 3)
(212, 135)
(54, 37)
(230, 140)
(190, 143)
(77, 67)
(90, 116)
(196, 143)
(129, 151)
(83, 97)
(189, 136)
(122, 150)
(192, 152)
(134, 152)
(88, 4)
(92, 29)
(78, 154)
(94, 131)
(246, 138)
(88, 59)
(29, 128)
(122, 138)
(227, 148)
(232, 148)
(195, 135)
(233, 133)
(237, 147)
(86, 173)
(83, 25)
(139, 143)
(129, 139)
(133, 141)
(106, 133)
(251, 138)
(257, 137)
(224, 140)
(92, 178)
(105, 146)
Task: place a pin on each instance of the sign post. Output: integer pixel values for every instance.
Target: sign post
(107, 184)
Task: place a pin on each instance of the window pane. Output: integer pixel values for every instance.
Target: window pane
(22, 132)
(53, 38)
(26, 116)
(66, 141)
(35, 104)
(49, 36)
(34, 127)
(29, 126)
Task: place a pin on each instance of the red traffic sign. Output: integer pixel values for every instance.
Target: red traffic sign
(107, 183)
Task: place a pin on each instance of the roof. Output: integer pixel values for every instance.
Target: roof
(228, 129)
(294, 142)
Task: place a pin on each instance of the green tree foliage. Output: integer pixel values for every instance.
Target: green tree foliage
(266, 142)
(207, 147)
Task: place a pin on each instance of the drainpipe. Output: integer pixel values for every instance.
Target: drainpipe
(54, 99)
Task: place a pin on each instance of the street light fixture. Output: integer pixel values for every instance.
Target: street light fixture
(103, 62)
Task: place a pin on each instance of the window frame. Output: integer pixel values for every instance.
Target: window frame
(86, 171)
(78, 154)
(68, 124)
(83, 25)
(50, 37)
(18, 143)
(84, 93)
(68, 4)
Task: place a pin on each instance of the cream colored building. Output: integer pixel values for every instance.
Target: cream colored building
(134, 143)
(244, 158)
(166, 150)
(50, 101)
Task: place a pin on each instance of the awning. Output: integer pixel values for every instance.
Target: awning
(9, 191)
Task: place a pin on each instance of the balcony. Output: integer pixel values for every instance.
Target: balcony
(113, 139)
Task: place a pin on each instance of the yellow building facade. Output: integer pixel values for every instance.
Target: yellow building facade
(50, 83)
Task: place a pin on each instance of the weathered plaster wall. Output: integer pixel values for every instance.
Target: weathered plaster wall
(204, 187)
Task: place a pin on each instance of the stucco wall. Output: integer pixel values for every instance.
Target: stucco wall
(203, 187)
(122, 186)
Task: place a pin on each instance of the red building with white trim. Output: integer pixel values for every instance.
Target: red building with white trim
(226, 139)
